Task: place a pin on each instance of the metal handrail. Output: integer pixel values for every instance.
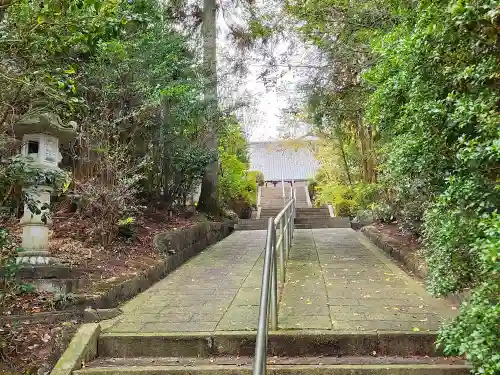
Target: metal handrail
(269, 288)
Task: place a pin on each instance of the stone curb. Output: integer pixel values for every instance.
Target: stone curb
(412, 262)
(82, 349)
(286, 370)
(281, 343)
(121, 291)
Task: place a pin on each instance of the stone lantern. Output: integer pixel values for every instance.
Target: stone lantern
(41, 135)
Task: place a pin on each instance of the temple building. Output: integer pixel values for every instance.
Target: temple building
(287, 160)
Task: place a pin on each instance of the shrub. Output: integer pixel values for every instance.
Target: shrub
(8, 266)
(312, 186)
(340, 196)
(474, 333)
(236, 183)
(258, 176)
(435, 101)
(106, 198)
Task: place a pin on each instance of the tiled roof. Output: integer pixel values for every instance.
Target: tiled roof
(271, 158)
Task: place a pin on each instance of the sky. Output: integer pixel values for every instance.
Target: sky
(263, 118)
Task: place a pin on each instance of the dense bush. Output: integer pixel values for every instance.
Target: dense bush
(339, 196)
(236, 183)
(258, 176)
(436, 104)
(421, 79)
(312, 186)
(8, 266)
(121, 71)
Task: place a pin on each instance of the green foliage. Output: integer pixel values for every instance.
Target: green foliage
(474, 333)
(127, 228)
(235, 181)
(9, 286)
(258, 176)
(8, 248)
(259, 30)
(121, 71)
(340, 196)
(436, 105)
(424, 78)
(312, 186)
(348, 200)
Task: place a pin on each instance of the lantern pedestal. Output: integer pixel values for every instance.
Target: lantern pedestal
(35, 239)
(41, 135)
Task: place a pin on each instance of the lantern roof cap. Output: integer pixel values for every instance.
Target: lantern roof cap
(45, 123)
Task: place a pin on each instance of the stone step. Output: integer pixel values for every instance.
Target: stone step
(239, 227)
(313, 209)
(300, 212)
(251, 224)
(300, 223)
(308, 219)
(277, 366)
(281, 343)
(331, 222)
(313, 216)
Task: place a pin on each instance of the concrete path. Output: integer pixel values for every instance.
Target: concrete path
(335, 281)
(217, 290)
(338, 281)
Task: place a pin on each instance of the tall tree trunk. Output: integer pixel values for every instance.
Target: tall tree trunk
(371, 156)
(208, 201)
(344, 156)
(362, 140)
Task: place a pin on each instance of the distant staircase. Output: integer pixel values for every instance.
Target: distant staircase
(272, 202)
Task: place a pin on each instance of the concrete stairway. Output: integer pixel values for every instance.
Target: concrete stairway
(307, 218)
(310, 218)
(290, 353)
(272, 197)
(301, 196)
(251, 224)
(345, 309)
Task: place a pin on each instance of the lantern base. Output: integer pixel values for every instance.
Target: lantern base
(36, 258)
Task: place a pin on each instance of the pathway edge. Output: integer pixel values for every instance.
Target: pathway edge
(81, 349)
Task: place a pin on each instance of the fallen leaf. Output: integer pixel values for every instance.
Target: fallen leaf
(416, 329)
(45, 338)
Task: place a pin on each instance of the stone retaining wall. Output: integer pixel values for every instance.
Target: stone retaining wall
(177, 247)
(413, 261)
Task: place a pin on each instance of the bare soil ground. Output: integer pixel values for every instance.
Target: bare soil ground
(27, 347)
(397, 237)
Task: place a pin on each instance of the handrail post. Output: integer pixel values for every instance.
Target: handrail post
(283, 188)
(285, 238)
(274, 284)
(289, 233)
(261, 339)
(282, 250)
(269, 287)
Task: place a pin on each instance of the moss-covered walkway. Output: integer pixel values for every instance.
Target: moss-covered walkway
(335, 281)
